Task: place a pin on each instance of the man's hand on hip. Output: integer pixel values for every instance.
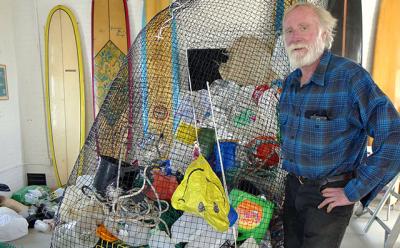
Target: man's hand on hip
(334, 197)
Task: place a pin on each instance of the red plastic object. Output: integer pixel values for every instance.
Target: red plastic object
(264, 148)
(163, 184)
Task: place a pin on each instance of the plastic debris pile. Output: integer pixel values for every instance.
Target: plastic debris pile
(185, 150)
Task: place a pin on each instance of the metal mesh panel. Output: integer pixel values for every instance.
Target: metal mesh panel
(159, 114)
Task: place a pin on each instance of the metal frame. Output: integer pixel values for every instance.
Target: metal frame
(390, 234)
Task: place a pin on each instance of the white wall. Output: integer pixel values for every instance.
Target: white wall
(11, 165)
(370, 9)
(22, 43)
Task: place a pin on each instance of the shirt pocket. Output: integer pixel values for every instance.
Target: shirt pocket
(321, 138)
(317, 131)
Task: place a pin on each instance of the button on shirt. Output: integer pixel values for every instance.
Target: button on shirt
(326, 122)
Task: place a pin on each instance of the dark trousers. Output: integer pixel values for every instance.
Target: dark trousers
(306, 226)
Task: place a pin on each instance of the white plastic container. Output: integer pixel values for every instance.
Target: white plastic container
(197, 233)
(159, 239)
(41, 226)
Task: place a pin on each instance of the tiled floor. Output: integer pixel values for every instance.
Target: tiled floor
(354, 237)
(374, 238)
(34, 239)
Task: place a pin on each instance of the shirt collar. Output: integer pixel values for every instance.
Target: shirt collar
(319, 74)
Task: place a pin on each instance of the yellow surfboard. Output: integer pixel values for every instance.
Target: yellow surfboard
(386, 64)
(110, 45)
(65, 97)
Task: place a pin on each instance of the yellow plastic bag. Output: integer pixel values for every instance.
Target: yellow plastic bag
(201, 193)
(186, 133)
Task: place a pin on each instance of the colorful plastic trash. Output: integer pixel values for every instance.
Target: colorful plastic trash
(255, 214)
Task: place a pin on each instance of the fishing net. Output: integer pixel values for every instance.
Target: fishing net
(185, 149)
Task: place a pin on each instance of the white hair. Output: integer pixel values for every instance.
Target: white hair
(326, 20)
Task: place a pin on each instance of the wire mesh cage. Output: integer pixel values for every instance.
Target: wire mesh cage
(185, 149)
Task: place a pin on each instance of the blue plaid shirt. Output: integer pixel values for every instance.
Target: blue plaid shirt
(325, 125)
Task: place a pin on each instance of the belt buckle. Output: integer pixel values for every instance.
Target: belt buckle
(323, 183)
(301, 179)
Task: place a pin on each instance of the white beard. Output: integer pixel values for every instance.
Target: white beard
(298, 59)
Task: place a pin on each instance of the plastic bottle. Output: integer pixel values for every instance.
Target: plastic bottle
(197, 233)
(159, 239)
(41, 226)
(31, 198)
(249, 243)
(135, 234)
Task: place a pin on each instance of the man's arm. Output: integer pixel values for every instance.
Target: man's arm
(373, 112)
(377, 115)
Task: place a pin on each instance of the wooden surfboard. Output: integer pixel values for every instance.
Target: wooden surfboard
(110, 45)
(65, 97)
(348, 39)
(386, 62)
(158, 106)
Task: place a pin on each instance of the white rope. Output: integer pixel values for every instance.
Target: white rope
(216, 135)
(217, 140)
(115, 197)
(141, 188)
(192, 101)
(219, 152)
(172, 11)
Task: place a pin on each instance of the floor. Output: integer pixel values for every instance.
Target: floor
(354, 237)
(374, 238)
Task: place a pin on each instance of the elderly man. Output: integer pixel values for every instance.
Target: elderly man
(328, 108)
